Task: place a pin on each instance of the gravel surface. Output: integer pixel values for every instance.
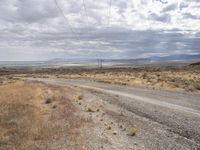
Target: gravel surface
(162, 119)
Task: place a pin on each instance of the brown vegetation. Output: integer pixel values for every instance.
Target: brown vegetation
(29, 120)
(172, 78)
(132, 131)
(166, 78)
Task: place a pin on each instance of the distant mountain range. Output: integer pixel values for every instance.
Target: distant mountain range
(148, 60)
(128, 61)
(183, 57)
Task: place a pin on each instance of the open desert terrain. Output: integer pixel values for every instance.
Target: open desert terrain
(187, 79)
(100, 75)
(172, 77)
(143, 108)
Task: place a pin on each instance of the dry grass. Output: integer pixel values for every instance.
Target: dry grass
(132, 131)
(167, 78)
(196, 85)
(18, 114)
(80, 97)
(28, 121)
(171, 78)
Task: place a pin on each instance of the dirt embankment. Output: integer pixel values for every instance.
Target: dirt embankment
(36, 116)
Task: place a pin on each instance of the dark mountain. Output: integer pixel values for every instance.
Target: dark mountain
(57, 60)
(128, 61)
(147, 60)
(182, 57)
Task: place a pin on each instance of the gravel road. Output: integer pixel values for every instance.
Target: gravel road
(165, 119)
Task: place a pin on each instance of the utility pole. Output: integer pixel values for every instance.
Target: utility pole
(101, 65)
(98, 63)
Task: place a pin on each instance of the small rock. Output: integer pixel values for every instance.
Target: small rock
(54, 106)
(48, 101)
(121, 113)
(101, 106)
(80, 97)
(115, 133)
(109, 127)
(90, 109)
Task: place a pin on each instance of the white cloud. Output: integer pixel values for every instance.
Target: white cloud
(137, 28)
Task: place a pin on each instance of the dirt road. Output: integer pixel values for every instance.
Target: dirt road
(163, 119)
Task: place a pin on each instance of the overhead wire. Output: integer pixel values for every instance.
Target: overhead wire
(86, 14)
(85, 9)
(66, 19)
(87, 29)
(109, 13)
(109, 19)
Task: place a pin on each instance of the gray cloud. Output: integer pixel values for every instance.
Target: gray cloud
(162, 1)
(190, 16)
(35, 29)
(171, 7)
(163, 18)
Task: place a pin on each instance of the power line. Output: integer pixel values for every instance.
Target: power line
(66, 19)
(100, 61)
(87, 30)
(86, 14)
(109, 18)
(109, 13)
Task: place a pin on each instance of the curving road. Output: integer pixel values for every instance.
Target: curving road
(178, 111)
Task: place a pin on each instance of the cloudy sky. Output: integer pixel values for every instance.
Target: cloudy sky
(42, 29)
